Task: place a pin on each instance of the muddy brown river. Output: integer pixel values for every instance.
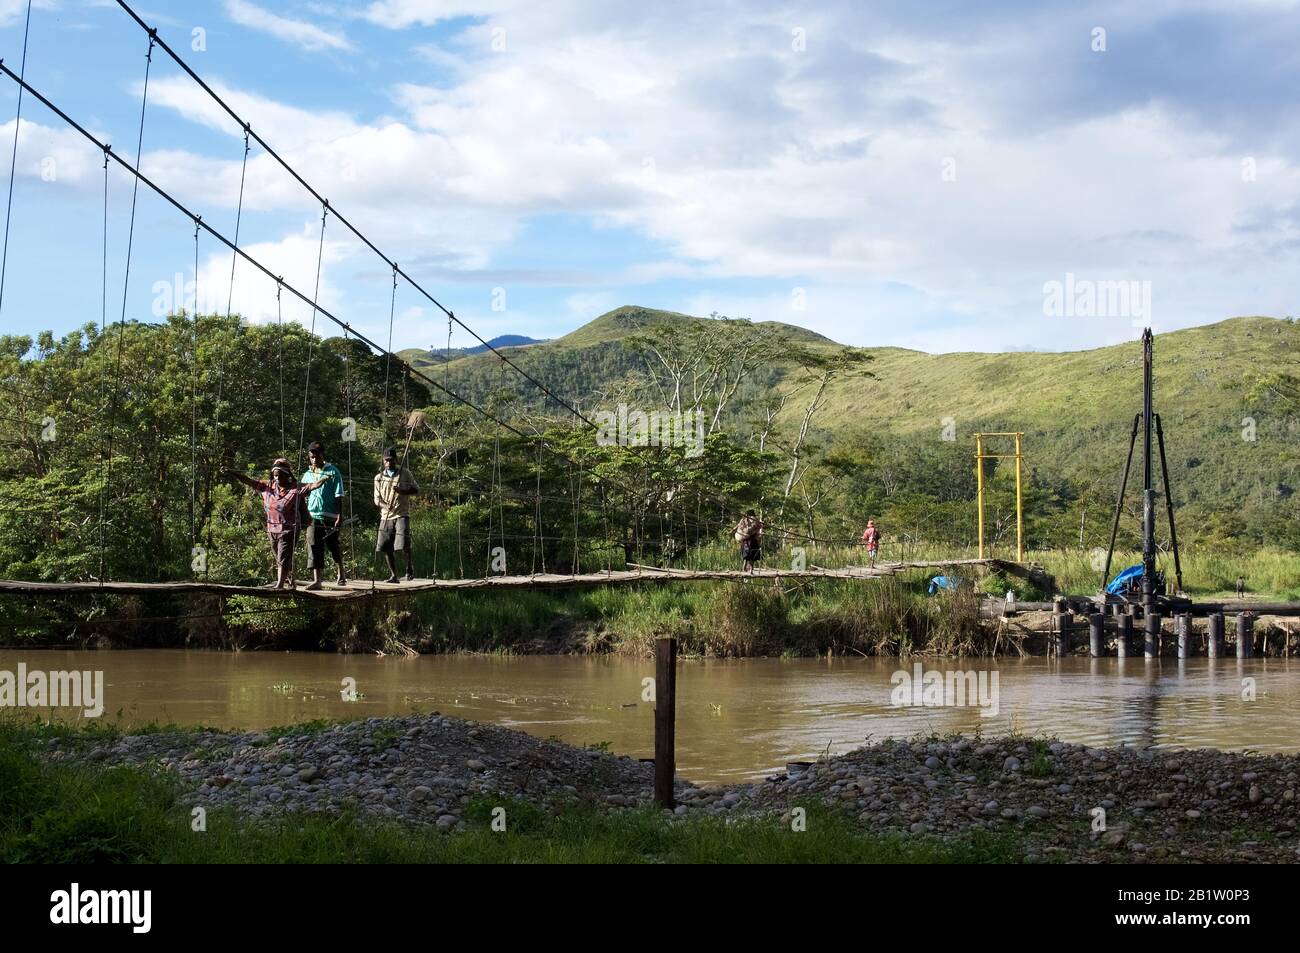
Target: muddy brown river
(736, 720)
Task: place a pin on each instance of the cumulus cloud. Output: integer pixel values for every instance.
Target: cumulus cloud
(57, 156)
(300, 33)
(921, 176)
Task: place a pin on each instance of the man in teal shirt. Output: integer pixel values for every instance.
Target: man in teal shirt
(326, 514)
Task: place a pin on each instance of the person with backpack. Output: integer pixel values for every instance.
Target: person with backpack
(749, 533)
(871, 540)
(282, 499)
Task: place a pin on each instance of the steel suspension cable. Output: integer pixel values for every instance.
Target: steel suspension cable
(312, 301)
(503, 357)
(216, 97)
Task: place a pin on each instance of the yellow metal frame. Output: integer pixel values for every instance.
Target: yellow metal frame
(980, 457)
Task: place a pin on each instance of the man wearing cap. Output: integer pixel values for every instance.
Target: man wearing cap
(281, 498)
(326, 514)
(394, 487)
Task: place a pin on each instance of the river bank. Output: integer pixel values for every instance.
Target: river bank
(887, 617)
(1011, 798)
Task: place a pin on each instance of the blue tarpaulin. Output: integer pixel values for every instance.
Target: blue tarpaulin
(1122, 581)
(942, 582)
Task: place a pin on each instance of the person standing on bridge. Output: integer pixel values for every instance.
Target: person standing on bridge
(749, 533)
(394, 487)
(326, 515)
(282, 499)
(871, 540)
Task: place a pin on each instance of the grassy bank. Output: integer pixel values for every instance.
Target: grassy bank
(73, 813)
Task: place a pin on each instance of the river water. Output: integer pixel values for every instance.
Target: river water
(736, 719)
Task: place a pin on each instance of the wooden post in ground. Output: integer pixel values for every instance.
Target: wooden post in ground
(1063, 618)
(1151, 626)
(1245, 635)
(1183, 626)
(665, 720)
(1124, 635)
(1097, 635)
(1214, 635)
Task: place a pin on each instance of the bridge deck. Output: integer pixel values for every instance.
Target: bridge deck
(365, 588)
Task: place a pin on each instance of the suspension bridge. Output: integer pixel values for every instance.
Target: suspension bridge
(205, 453)
(365, 589)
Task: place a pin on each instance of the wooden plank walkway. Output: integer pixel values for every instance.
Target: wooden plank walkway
(365, 589)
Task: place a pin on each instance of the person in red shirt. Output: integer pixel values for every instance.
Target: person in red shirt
(871, 540)
(282, 499)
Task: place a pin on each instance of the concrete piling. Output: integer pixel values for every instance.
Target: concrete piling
(1151, 628)
(1096, 635)
(1214, 635)
(1245, 635)
(1124, 635)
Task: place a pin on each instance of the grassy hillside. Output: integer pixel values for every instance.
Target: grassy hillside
(1075, 409)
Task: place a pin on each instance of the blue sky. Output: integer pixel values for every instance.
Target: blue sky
(885, 174)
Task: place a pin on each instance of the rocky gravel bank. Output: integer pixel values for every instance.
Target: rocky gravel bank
(1061, 801)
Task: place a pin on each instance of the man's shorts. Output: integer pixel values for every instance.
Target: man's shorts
(394, 535)
(321, 535)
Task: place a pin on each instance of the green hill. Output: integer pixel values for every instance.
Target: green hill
(1075, 409)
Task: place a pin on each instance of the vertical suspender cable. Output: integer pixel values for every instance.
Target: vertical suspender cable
(347, 409)
(279, 325)
(230, 299)
(388, 362)
(194, 395)
(311, 338)
(537, 514)
(103, 367)
(126, 285)
(239, 215)
(13, 161)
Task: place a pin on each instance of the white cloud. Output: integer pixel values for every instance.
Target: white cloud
(15, 11)
(300, 33)
(708, 132)
(285, 126)
(56, 156)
